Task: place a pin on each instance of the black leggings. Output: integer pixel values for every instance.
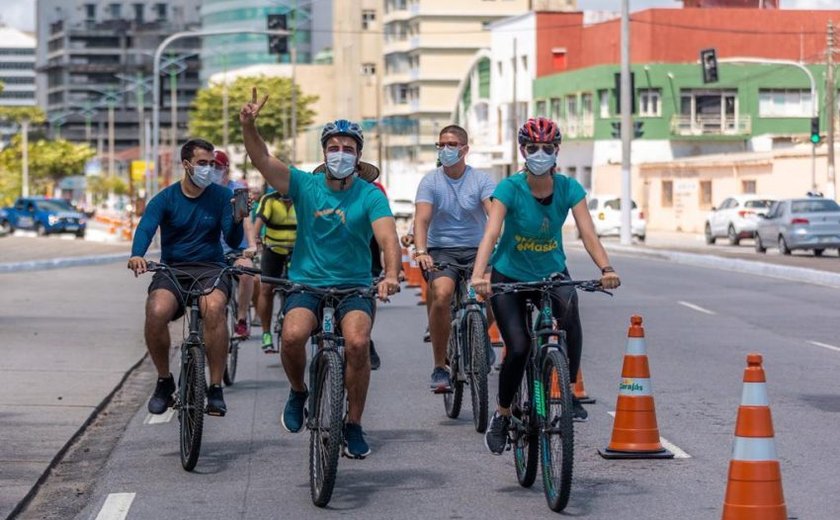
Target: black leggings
(510, 312)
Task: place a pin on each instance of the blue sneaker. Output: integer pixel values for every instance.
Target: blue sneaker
(295, 411)
(355, 445)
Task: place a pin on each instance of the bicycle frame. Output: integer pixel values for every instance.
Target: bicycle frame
(545, 336)
(329, 338)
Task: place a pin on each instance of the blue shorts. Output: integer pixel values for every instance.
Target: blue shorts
(315, 302)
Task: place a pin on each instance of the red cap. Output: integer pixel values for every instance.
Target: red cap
(221, 158)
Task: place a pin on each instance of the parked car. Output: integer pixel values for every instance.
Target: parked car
(606, 214)
(812, 223)
(5, 228)
(402, 208)
(46, 216)
(735, 218)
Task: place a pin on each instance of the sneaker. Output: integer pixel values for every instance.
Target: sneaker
(496, 437)
(441, 383)
(375, 362)
(355, 445)
(579, 413)
(241, 329)
(162, 398)
(216, 401)
(268, 343)
(295, 411)
(427, 336)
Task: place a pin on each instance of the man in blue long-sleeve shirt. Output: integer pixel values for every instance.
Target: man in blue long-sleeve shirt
(191, 215)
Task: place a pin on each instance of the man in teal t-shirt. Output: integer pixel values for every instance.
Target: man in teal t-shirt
(337, 215)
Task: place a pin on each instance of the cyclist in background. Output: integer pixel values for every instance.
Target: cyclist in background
(532, 205)
(276, 215)
(246, 250)
(191, 215)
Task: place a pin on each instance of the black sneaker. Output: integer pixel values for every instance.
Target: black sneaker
(375, 362)
(579, 413)
(496, 437)
(294, 413)
(441, 384)
(355, 445)
(427, 336)
(216, 401)
(162, 398)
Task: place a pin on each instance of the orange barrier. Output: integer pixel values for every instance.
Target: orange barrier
(754, 488)
(635, 432)
(414, 275)
(424, 291)
(580, 391)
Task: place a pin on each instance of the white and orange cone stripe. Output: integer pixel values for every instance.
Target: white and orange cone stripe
(754, 489)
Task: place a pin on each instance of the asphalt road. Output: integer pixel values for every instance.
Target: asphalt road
(700, 325)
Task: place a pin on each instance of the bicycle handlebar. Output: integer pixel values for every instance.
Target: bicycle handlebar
(550, 282)
(153, 267)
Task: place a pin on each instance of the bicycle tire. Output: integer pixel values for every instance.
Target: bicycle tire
(478, 341)
(278, 320)
(525, 445)
(229, 377)
(192, 394)
(325, 440)
(557, 439)
(452, 400)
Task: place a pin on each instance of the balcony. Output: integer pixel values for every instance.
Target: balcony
(395, 78)
(401, 109)
(396, 46)
(578, 128)
(730, 125)
(397, 15)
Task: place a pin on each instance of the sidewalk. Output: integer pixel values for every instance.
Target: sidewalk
(25, 251)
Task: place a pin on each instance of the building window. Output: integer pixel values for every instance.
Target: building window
(368, 17)
(160, 12)
(90, 12)
(784, 103)
(556, 103)
(500, 67)
(571, 107)
(586, 178)
(705, 194)
(138, 13)
(368, 69)
(748, 187)
(524, 63)
(571, 172)
(540, 109)
(558, 58)
(115, 11)
(650, 103)
(604, 104)
(586, 105)
(667, 194)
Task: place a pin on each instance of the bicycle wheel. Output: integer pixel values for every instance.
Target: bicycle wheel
(229, 376)
(192, 393)
(557, 440)
(278, 320)
(230, 367)
(452, 400)
(325, 438)
(477, 343)
(524, 434)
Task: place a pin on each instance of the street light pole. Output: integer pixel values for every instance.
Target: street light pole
(24, 128)
(626, 126)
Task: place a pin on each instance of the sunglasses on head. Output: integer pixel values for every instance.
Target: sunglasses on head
(451, 144)
(535, 147)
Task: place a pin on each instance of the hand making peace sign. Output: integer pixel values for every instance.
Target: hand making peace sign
(251, 110)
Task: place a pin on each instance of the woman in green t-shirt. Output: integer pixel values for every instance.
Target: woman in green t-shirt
(532, 205)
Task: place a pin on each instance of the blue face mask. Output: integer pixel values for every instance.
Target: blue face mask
(202, 176)
(449, 156)
(218, 175)
(341, 164)
(540, 163)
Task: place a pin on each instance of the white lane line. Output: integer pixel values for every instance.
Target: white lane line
(824, 345)
(116, 506)
(163, 418)
(696, 308)
(668, 445)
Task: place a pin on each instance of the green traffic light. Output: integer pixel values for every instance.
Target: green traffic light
(815, 138)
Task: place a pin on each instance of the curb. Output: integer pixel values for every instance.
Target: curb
(57, 263)
(791, 273)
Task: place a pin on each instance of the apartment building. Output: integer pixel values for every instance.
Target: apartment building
(17, 74)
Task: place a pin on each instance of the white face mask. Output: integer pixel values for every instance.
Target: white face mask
(341, 164)
(202, 176)
(218, 175)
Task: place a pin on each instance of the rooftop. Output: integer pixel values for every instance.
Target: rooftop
(13, 38)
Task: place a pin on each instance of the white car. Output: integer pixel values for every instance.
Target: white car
(606, 214)
(402, 208)
(736, 218)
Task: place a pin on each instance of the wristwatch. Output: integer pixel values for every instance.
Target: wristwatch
(607, 269)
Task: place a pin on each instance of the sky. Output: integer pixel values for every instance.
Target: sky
(21, 13)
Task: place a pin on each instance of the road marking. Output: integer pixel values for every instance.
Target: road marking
(163, 418)
(697, 308)
(668, 445)
(116, 506)
(824, 345)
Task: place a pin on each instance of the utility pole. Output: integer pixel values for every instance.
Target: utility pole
(831, 192)
(173, 119)
(24, 129)
(626, 126)
(293, 57)
(379, 128)
(514, 146)
(111, 163)
(225, 107)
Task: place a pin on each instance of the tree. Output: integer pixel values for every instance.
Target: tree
(206, 112)
(17, 114)
(49, 162)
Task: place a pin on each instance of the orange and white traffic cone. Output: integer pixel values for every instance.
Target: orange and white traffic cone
(406, 262)
(635, 432)
(754, 489)
(580, 391)
(495, 336)
(415, 275)
(424, 292)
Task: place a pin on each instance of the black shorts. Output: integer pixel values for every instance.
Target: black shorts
(450, 255)
(273, 264)
(190, 275)
(315, 303)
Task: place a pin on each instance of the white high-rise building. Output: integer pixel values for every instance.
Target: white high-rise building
(17, 74)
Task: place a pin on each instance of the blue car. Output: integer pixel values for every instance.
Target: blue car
(45, 216)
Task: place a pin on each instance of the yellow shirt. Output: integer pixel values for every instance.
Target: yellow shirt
(280, 223)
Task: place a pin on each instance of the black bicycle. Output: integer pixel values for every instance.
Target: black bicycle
(328, 405)
(280, 303)
(192, 386)
(467, 354)
(541, 412)
(232, 313)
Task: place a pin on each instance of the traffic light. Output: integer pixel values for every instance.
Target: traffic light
(616, 129)
(708, 60)
(815, 130)
(638, 129)
(277, 44)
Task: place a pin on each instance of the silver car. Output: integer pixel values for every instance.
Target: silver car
(812, 223)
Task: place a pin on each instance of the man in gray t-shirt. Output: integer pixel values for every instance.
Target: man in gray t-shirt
(450, 213)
